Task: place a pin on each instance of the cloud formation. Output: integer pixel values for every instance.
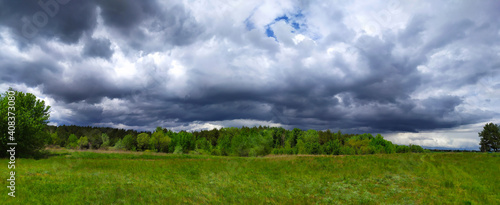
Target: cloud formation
(388, 67)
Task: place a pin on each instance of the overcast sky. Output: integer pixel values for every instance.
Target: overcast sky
(421, 72)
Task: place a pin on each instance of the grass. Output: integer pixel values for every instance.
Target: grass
(70, 177)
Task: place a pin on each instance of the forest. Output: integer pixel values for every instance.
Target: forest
(231, 141)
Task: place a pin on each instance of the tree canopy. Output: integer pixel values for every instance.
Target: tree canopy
(31, 117)
(490, 138)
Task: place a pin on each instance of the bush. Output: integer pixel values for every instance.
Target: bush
(215, 152)
(178, 149)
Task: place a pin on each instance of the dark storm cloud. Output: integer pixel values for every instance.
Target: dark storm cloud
(90, 88)
(69, 20)
(86, 115)
(85, 85)
(64, 20)
(131, 18)
(98, 48)
(152, 63)
(127, 14)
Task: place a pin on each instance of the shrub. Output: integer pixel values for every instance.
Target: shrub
(215, 152)
(178, 149)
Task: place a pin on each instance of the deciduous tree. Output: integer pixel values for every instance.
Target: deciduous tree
(490, 138)
(29, 116)
(143, 141)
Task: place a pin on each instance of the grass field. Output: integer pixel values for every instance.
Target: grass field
(144, 178)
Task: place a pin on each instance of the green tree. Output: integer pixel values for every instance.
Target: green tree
(332, 147)
(402, 149)
(164, 143)
(83, 142)
(143, 141)
(53, 139)
(30, 116)
(72, 141)
(156, 137)
(119, 145)
(490, 138)
(95, 138)
(154, 143)
(105, 141)
(379, 145)
(224, 140)
(301, 147)
(203, 144)
(129, 142)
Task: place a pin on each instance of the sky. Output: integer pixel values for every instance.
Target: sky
(419, 72)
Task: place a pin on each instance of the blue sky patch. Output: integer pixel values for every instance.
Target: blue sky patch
(293, 21)
(270, 32)
(284, 17)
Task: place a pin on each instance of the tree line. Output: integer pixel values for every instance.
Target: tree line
(29, 116)
(231, 141)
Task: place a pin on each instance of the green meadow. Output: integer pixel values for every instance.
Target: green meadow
(102, 177)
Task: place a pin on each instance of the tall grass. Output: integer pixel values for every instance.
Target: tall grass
(130, 178)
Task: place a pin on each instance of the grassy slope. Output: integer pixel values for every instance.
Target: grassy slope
(125, 178)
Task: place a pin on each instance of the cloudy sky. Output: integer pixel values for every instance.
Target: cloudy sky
(421, 72)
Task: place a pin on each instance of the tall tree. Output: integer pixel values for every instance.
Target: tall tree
(490, 138)
(143, 141)
(154, 141)
(30, 116)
